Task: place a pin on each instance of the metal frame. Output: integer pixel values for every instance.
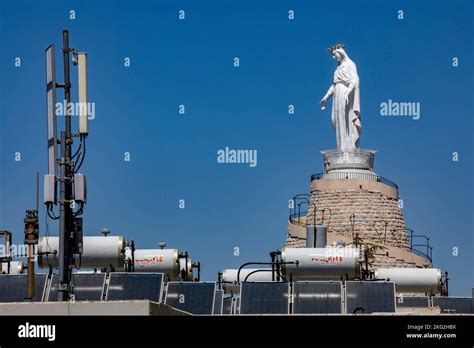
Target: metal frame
(233, 305)
(237, 300)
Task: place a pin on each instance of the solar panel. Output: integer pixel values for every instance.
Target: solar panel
(264, 298)
(370, 297)
(218, 299)
(87, 287)
(453, 304)
(191, 297)
(14, 288)
(317, 297)
(135, 286)
(413, 301)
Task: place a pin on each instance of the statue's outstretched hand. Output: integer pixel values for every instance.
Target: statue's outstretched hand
(323, 103)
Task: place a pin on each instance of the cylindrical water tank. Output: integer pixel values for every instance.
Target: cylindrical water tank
(320, 263)
(316, 236)
(98, 252)
(164, 261)
(16, 267)
(412, 280)
(229, 278)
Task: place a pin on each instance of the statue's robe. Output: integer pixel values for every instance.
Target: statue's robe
(346, 117)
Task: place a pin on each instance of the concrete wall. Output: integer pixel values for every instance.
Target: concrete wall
(89, 308)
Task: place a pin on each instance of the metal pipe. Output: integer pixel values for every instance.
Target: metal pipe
(256, 271)
(262, 263)
(447, 281)
(63, 244)
(198, 266)
(219, 280)
(31, 272)
(273, 255)
(314, 222)
(66, 215)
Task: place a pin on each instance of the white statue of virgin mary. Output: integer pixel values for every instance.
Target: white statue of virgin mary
(346, 101)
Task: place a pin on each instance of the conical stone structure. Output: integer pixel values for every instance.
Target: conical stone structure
(357, 204)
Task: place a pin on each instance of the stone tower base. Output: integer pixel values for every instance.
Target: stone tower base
(358, 202)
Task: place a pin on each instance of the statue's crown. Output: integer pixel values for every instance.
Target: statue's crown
(335, 47)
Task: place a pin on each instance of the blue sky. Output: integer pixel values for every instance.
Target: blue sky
(282, 62)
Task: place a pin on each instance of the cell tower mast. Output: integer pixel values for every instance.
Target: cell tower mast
(72, 187)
